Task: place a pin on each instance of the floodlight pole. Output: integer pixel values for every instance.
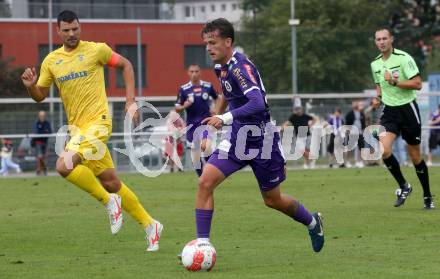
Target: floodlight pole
(293, 23)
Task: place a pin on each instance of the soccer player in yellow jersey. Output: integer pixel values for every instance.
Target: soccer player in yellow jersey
(77, 70)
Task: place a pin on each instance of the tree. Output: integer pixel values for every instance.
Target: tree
(255, 7)
(335, 43)
(10, 80)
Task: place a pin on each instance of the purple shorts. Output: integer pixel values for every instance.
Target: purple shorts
(191, 136)
(268, 172)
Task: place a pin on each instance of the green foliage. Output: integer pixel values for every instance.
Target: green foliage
(254, 5)
(10, 80)
(434, 60)
(334, 43)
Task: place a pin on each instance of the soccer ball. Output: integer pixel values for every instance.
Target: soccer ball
(198, 255)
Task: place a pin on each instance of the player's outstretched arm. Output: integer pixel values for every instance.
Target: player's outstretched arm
(128, 76)
(29, 79)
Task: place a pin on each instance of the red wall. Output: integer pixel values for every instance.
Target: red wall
(164, 46)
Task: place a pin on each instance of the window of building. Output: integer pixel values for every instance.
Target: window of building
(43, 51)
(130, 52)
(202, 9)
(197, 54)
(187, 11)
(212, 8)
(223, 7)
(234, 6)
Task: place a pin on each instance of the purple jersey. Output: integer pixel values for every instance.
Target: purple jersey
(239, 77)
(244, 91)
(199, 95)
(336, 122)
(434, 117)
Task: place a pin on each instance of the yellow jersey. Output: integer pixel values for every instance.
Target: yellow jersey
(79, 76)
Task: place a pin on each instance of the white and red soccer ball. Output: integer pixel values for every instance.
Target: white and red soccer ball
(199, 255)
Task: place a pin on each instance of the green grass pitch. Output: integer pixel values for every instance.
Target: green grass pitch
(50, 229)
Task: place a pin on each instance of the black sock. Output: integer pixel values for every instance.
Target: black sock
(394, 167)
(199, 171)
(422, 174)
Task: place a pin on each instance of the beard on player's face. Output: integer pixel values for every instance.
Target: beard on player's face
(70, 33)
(71, 42)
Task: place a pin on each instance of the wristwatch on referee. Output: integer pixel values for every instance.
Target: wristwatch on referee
(393, 82)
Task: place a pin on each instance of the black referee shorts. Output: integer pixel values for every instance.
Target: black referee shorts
(403, 120)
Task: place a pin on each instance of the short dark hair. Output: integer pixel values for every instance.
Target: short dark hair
(385, 28)
(193, 65)
(224, 27)
(66, 16)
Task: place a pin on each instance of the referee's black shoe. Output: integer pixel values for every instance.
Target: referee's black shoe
(429, 203)
(402, 194)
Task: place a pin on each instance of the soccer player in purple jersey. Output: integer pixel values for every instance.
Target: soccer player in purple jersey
(244, 92)
(434, 135)
(195, 97)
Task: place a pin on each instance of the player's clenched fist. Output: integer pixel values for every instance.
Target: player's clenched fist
(29, 77)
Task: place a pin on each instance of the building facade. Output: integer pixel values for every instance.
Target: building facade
(202, 10)
(166, 49)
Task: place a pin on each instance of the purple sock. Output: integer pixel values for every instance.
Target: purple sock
(203, 222)
(302, 215)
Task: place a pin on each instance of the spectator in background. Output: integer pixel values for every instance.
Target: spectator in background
(6, 155)
(41, 126)
(301, 119)
(336, 120)
(434, 136)
(399, 147)
(372, 117)
(356, 117)
(373, 112)
(173, 143)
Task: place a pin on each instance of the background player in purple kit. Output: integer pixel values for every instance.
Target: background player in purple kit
(195, 97)
(434, 135)
(243, 90)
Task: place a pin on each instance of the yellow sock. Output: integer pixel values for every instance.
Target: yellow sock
(131, 204)
(84, 178)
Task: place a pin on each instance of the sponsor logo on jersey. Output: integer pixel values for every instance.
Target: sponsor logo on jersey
(59, 62)
(72, 76)
(197, 90)
(81, 57)
(237, 73)
(250, 73)
(228, 86)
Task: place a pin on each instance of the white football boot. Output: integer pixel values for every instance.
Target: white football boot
(114, 211)
(153, 231)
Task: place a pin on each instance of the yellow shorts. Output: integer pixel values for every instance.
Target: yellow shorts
(91, 144)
